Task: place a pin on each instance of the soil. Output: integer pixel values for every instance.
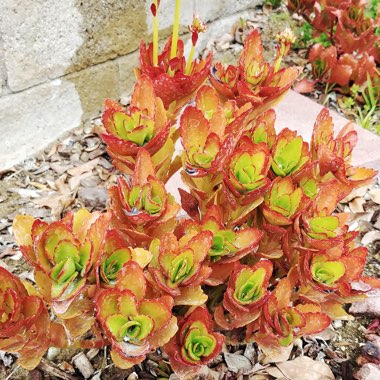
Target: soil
(45, 187)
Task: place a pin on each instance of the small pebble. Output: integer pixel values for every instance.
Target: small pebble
(52, 353)
(133, 376)
(83, 365)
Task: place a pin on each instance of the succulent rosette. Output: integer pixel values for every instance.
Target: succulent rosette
(262, 130)
(322, 272)
(63, 253)
(274, 243)
(283, 202)
(334, 154)
(134, 324)
(116, 253)
(195, 343)
(318, 227)
(354, 31)
(209, 132)
(24, 322)
(178, 267)
(141, 207)
(206, 145)
(327, 67)
(281, 322)
(245, 176)
(290, 154)
(360, 67)
(259, 83)
(143, 125)
(169, 76)
(228, 245)
(245, 295)
(224, 79)
(334, 269)
(322, 231)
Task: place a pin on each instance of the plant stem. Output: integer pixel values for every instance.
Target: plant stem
(173, 51)
(155, 35)
(190, 61)
(277, 64)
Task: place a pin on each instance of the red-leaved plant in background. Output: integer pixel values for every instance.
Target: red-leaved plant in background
(354, 47)
(257, 249)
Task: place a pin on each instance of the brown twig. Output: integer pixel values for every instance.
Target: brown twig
(51, 369)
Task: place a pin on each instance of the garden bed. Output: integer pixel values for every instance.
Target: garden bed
(76, 173)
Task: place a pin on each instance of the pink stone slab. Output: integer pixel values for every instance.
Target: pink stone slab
(297, 112)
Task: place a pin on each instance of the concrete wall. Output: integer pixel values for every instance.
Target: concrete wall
(60, 59)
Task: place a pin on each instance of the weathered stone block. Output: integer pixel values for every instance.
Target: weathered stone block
(40, 39)
(2, 68)
(207, 10)
(127, 77)
(32, 119)
(47, 39)
(110, 28)
(95, 84)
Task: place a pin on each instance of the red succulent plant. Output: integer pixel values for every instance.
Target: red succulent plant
(195, 343)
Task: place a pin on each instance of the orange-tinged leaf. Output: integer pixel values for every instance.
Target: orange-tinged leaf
(132, 277)
(144, 168)
(191, 295)
(143, 95)
(335, 310)
(22, 229)
(315, 323)
(282, 293)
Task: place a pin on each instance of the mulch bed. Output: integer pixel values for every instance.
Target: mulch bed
(77, 171)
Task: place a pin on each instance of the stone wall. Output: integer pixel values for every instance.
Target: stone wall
(59, 59)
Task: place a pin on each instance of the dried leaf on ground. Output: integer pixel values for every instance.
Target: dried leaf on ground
(304, 86)
(278, 355)
(375, 195)
(237, 362)
(88, 166)
(370, 237)
(303, 368)
(57, 203)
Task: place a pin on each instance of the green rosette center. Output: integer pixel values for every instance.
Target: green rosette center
(249, 286)
(136, 127)
(327, 272)
(198, 343)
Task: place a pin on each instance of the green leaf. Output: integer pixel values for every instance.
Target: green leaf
(260, 135)
(133, 196)
(199, 343)
(243, 161)
(287, 156)
(114, 262)
(121, 120)
(325, 225)
(248, 287)
(62, 290)
(309, 187)
(63, 271)
(115, 323)
(66, 250)
(328, 272)
(181, 267)
(137, 328)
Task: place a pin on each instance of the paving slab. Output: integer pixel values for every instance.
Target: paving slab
(297, 112)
